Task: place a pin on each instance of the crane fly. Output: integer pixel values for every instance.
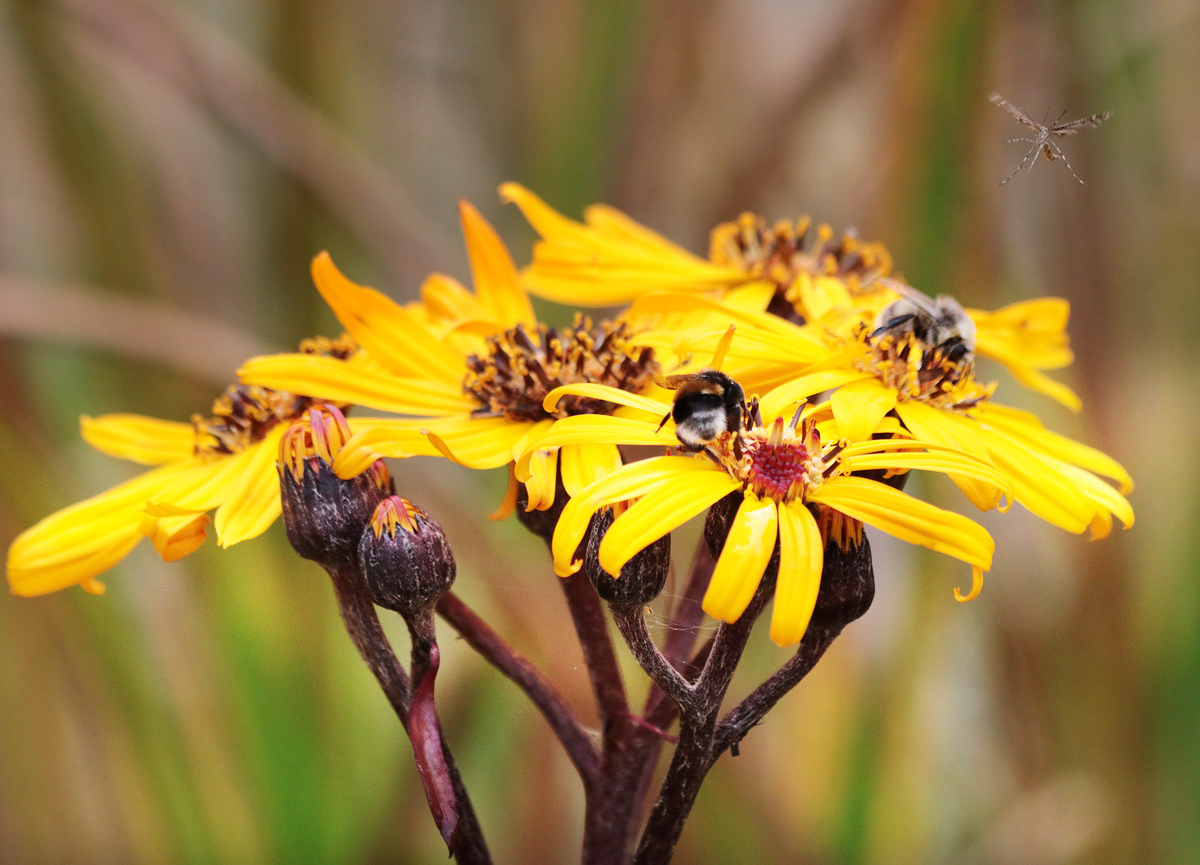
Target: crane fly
(1043, 140)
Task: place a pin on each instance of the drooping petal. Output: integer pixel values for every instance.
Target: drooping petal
(626, 483)
(951, 430)
(801, 555)
(1027, 426)
(582, 464)
(542, 482)
(252, 503)
(743, 559)
(138, 438)
(82, 541)
(907, 518)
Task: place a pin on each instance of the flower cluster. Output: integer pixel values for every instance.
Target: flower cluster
(791, 377)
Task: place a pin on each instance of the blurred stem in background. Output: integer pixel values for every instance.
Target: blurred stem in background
(185, 160)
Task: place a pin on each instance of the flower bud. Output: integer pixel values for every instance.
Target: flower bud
(324, 515)
(848, 576)
(405, 557)
(641, 579)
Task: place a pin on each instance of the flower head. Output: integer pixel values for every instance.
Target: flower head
(879, 375)
(223, 461)
(795, 485)
(470, 370)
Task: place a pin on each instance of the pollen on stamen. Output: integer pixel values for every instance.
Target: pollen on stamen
(922, 373)
(780, 253)
(511, 379)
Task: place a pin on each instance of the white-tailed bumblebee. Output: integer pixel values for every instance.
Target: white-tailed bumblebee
(940, 323)
(707, 403)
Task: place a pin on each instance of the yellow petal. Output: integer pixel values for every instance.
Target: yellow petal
(390, 437)
(626, 483)
(1027, 426)
(493, 272)
(138, 438)
(960, 433)
(859, 407)
(252, 503)
(391, 334)
(581, 464)
(801, 555)
(587, 430)
(84, 540)
(176, 537)
(652, 407)
(508, 505)
(976, 587)
(659, 513)
(907, 518)
(781, 401)
(332, 380)
(543, 476)
(743, 559)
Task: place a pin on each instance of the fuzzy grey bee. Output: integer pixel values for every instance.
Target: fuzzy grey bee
(707, 403)
(1042, 141)
(938, 323)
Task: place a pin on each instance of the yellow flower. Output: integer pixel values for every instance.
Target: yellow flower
(780, 470)
(938, 399)
(470, 369)
(224, 462)
(610, 259)
(786, 269)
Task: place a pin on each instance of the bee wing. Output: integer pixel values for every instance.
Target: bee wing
(674, 382)
(1073, 126)
(1013, 110)
(916, 297)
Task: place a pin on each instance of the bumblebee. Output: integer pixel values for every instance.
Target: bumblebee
(707, 403)
(939, 324)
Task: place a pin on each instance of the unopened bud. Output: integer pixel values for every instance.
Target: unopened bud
(405, 557)
(324, 515)
(848, 577)
(641, 579)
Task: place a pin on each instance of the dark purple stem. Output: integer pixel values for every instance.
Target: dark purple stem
(762, 699)
(362, 624)
(631, 623)
(697, 725)
(592, 629)
(542, 693)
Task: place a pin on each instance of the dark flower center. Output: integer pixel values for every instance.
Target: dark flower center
(244, 414)
(780, 253)
(519, 368)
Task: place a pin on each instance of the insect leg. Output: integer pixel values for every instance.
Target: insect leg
(1017, 170)
(1063, 157)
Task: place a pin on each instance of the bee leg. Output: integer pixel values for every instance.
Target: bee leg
(663, 422)
(895, 322)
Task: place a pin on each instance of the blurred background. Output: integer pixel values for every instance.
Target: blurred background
(169, 167)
